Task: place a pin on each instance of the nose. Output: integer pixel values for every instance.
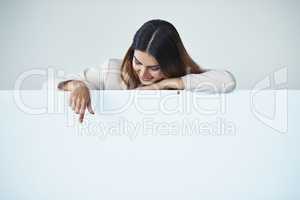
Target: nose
(143, 70)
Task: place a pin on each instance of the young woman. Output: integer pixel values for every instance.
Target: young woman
(155, 60)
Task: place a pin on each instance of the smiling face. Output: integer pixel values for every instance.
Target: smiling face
(146, 67)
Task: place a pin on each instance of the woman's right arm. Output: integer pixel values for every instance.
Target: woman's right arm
(80, 85)
(80, 98)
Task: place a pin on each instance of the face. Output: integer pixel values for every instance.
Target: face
(146, 67)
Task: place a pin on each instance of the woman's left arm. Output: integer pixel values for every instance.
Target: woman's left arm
(169, 83)
(212, 81)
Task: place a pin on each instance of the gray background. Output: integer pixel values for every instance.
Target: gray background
(250, 38)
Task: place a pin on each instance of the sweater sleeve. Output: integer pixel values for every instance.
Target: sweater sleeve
(94, 78)
(211, 81)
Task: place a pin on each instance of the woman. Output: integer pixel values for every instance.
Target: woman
(156, 59)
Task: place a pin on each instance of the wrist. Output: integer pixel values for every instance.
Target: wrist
(171, 83)
(78, 84)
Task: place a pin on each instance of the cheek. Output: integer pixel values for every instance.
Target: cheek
(135, 67)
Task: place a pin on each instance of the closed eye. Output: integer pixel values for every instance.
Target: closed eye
(137, 62)
(155, 68)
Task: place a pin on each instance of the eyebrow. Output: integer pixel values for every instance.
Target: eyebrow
(146, 66)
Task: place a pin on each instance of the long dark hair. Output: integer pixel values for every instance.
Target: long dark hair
(160, 39)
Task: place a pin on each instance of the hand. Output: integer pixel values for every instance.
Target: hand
(170, 83)
(153, 86)
(80, 101)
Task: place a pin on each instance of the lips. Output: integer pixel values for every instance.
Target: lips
(144, 79)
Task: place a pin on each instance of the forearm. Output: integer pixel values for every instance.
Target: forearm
(172, 83)
(211, 81)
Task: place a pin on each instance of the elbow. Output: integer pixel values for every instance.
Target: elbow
(230, 82)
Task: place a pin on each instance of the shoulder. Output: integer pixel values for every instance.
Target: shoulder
(114, 63)
(111, 64)
(112, 71)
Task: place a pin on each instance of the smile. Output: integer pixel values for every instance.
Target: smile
(146, 79)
